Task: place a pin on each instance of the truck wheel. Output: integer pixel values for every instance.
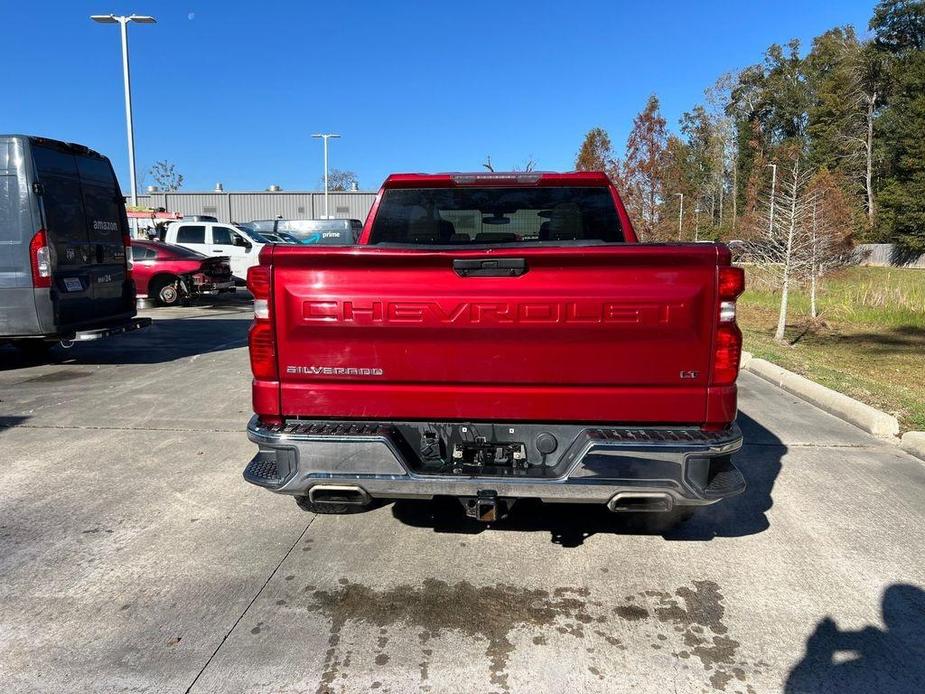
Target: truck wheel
(304, 503)
(34, 350)
(166, 292)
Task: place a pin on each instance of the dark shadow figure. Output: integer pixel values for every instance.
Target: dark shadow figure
(167, 339)
(570, 525)
(11, 422)
(889, 660)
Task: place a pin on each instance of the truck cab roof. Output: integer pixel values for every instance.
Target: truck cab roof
(496, 178)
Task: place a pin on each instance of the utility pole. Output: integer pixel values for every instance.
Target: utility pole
(680, 214)
(123, 23)
(773, 185)
(325, 137)
(697, 223)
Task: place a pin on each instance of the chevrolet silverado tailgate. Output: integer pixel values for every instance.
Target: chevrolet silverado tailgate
(618, 333)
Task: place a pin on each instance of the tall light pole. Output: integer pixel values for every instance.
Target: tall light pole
(123, 22)
(325, 137)
(773, 185)
(680, 214)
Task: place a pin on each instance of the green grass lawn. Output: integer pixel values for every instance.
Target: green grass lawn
(868, 342)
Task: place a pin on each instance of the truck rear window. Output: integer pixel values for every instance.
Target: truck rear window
(492, 216)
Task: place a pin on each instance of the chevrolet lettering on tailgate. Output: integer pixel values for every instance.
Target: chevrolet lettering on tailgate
(460, 313)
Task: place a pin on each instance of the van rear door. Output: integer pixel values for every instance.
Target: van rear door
(107, 226)
(65, 224)
(84, 217)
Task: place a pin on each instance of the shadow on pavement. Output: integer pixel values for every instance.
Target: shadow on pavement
(871, 659)
(570, 525)
(10, 422)
(166, 340)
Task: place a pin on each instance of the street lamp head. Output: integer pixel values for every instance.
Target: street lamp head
(113, 19)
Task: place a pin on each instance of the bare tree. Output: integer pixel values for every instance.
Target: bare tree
(165, 175)
(784, 244)
(724, 151)
(341, 179)
(527, 166)
(830, 232)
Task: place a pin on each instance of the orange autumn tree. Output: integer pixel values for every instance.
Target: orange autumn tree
(641, 170)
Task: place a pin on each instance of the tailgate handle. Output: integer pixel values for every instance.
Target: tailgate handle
(490, 267)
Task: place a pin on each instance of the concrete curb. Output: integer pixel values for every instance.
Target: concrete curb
(873, 421)
(913, 442)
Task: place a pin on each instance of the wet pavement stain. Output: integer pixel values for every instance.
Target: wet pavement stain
(492, 613)
(693, 613)
(631, 612)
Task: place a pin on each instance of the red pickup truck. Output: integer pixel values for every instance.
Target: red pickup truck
(494, 337)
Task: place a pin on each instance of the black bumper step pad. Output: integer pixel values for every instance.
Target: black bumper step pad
(643, 436)
(336, 429)
(725, 480)
(263, 470)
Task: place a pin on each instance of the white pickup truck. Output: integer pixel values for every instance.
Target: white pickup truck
(216, 238)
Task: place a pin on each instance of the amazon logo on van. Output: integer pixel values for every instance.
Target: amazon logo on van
(99, 225)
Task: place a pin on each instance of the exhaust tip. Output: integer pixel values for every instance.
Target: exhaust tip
(338, 494)
(628, 502)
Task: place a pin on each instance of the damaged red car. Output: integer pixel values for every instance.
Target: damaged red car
(169, 274)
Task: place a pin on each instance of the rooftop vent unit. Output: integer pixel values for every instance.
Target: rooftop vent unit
(219, 188)
(274, 189)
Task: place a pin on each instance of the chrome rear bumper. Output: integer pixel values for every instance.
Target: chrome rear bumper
(680, 467)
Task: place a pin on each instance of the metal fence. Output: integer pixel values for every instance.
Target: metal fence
(244, 207)
(885, 255)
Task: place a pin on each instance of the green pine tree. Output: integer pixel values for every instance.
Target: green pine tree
(899, 28)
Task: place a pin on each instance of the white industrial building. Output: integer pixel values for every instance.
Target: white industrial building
(269, 204)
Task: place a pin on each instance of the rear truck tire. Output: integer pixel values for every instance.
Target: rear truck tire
(666, 521)
(33, 349)
(327, 508)
(165, 291)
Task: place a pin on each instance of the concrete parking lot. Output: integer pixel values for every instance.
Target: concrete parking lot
(133, 557)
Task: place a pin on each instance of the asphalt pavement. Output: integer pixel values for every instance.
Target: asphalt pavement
(133, 557)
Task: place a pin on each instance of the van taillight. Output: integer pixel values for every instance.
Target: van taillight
(727, 343)
(40, 257)
(262, 337)
(129, 260)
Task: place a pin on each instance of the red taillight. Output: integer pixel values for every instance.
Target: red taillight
(727, 351)
(40, 257)
(262, 343)
(727, 344)
(731, 283)
(262, 338)
(258, 281)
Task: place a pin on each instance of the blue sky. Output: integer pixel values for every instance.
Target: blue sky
(232, 91)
